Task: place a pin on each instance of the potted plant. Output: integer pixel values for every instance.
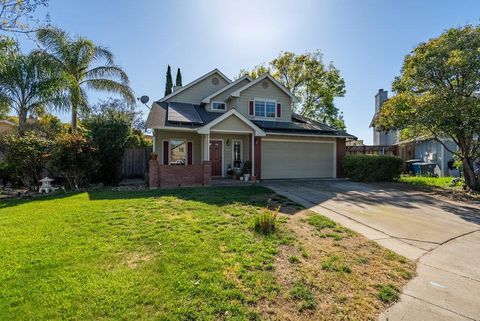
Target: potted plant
(247, 168)
(230, 172)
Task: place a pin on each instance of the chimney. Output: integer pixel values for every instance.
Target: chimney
(175, 88)
(380, 98)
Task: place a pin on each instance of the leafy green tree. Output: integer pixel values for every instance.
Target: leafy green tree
(48, 126)
(437, 93)
(84, 66)
(28, 156)
(109, 131)
(314, 83)
(27, 85)
(17, 15)
(168, 82)
(178, 78)
(74, 157)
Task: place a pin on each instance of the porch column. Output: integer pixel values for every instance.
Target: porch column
(253, 154)
(206, 147)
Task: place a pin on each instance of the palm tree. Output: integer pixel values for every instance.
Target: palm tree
(85, 66)
(26, 85)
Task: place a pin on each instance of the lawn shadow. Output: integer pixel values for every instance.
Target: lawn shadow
(11, 202)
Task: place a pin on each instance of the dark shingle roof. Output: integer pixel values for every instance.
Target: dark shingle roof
(199, 117)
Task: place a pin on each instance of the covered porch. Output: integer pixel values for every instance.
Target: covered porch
(192, 157)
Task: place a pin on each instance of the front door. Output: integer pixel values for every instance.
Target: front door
(216, 157)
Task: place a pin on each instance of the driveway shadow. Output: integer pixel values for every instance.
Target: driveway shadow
(363, 195)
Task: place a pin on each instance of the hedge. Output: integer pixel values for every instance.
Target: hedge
(372, 168)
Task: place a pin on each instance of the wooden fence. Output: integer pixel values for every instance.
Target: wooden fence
(135, 162)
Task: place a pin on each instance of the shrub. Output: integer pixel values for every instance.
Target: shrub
(109, 133)
(265, 222)
(372, 168)
(74, 157)
(27, 157)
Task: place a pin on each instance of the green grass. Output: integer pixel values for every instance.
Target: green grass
(388, 293)
(334, 263)
(305, 298)
(187, 254)
(439, 182)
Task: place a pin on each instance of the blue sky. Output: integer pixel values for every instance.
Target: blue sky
(366, 40)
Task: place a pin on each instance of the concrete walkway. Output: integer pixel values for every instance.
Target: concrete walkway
(442, 236)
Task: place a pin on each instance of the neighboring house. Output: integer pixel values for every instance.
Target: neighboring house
(425, 148)
(212, 124)
(7, 127)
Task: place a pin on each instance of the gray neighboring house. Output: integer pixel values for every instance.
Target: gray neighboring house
(214, 124)
(425, 148)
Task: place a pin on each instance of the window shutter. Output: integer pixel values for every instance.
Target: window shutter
(189, 153)
(279, 110)
(166, 150)
(250, 110)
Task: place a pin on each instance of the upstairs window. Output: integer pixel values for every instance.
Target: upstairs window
(265, 108)
(218, 105)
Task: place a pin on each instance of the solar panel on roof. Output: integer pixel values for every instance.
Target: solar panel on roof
(183, 114)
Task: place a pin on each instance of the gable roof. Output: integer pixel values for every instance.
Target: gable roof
(196, 81)
(264, 76)
(233, 83)
(206, 129)
(4, 121)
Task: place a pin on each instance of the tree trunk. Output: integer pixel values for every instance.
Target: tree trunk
(470, 179)
(22, 119)
(74, 116)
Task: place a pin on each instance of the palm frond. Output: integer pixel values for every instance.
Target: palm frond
(108, 72)
(113, 87)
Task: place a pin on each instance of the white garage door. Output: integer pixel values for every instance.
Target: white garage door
(298, 159)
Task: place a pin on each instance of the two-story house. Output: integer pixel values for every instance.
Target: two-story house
(212, 124)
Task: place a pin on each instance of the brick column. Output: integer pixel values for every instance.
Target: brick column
(207, 173)
(341, 151)
(258, 157)
(153, 173)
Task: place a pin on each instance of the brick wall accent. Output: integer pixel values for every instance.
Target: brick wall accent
(258, 157)
(153, 173)
(341, 151)
(179, 175)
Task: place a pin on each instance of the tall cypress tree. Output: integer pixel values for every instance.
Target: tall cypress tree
(178, 79)
(168, 83)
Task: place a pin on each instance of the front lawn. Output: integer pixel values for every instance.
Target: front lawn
(187, 254)
(439, 182)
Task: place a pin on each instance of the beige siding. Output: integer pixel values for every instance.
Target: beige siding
(271, 92)
(161, 135)
(232, 123)
(199, 91)
(222, 97)
(298, 157)
(228, 150)
(7, 129)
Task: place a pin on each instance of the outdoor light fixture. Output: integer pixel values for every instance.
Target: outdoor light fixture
(228, 142)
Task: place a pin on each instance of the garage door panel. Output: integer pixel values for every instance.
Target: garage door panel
(283, 159)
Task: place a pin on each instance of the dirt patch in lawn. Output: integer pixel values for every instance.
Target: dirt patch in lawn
(135, 259)
(332, 273)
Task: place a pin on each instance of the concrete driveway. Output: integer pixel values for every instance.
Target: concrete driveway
(442, 236)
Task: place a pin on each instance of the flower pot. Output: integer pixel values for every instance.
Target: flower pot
(253, 178)
(241, 178)
(153, 156)
(246, 177)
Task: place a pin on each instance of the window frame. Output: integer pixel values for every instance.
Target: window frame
(265, 100)
(185, 141)
(219, 102)
(233, 152)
